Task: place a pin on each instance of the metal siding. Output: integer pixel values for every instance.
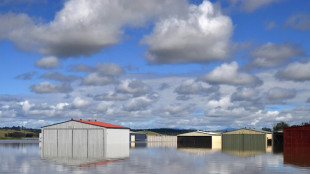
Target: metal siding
(244, 131)
(96, 143)
(117, 136)
(244, 142)
(296, 146)
(80, 144)
(50, 142)
(216, 142)
(65, 142)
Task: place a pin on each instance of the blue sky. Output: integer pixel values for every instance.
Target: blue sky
(148, 64)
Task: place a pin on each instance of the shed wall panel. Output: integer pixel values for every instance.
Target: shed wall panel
(216, 142)
(244, 142)
(65, 139)
(96, 143)
(80, 149)
(50, 142)
(243, 131)
(117, 136)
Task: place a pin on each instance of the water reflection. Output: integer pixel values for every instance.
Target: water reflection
(155, 159)
(76, 154)
(297, 155)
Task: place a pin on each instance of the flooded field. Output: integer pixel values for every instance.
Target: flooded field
(21, 157)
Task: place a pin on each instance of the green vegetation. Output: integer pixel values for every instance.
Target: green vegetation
(163, 131)
(149, 133)
(18, 132)
(266, 129)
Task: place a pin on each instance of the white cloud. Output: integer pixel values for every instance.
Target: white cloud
(229, 74)
(80, 103)
(47, 87)
(111, 96)
(109, 69)
(97, 79)
(48, 62)
(202, 35)
(278, 93)
(299, 21)
(138, 104)
(251, 5)
(84, 27)
(297, 71)
(195, 88)
(26, 105)
(134, 87)
(61, 106)
(271, 54)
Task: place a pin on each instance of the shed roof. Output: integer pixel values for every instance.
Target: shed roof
(200, 133)
(244, 130)
(95, 123)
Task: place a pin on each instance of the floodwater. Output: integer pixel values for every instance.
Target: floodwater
(21, 157)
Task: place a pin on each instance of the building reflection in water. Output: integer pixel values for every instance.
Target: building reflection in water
(245, 149)
(84, 155)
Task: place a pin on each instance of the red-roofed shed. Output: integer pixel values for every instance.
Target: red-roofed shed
(82, 138)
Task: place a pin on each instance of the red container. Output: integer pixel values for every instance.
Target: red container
(296, 145)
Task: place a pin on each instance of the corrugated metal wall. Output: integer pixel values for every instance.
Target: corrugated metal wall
(75, 143)
(161, 138)
(296, 146)
(244, 142)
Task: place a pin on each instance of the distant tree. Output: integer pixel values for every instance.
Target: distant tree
(266, 129)
(279, 126)
(305, 123)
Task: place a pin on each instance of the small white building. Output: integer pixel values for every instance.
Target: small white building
(84, 139)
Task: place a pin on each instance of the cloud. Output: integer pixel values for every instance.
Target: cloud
(59, 77)
(202, 35)
(134, 87)
(83, 27)
(80, 103)
(280, 94)
(271, 54)
(26, 76)
(229, 74)
(97, 79)
(10, 98)
(270, 25)
(50, 62)
(250, 5)
(111, 96)
(109, 69)
(297, 71)
(178, 109)
(82, 68)
(164, 86)
(194, 88)
(299, 22)
(138, 104)
(244, 94)
(47, 87)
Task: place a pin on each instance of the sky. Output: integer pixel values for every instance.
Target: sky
(206, 65)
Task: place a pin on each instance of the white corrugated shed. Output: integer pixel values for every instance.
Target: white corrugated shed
(81, 139)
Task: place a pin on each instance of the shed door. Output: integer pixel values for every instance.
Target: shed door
(195, 141)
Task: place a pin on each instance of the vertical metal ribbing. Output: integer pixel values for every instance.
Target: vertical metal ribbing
(72, 143)
(57, 142)
(87, 143)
